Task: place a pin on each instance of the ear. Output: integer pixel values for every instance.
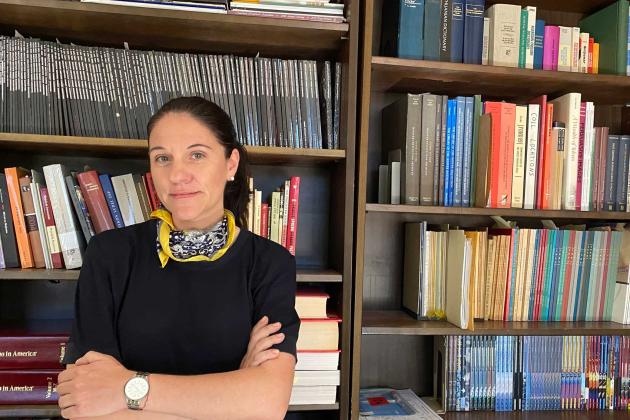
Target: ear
(232, 163)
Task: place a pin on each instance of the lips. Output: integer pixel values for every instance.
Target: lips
(181, 195)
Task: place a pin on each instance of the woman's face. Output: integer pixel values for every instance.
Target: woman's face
(189, 170)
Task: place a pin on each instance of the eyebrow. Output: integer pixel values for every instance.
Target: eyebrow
(189, 147)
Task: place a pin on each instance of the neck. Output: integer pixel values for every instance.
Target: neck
(199, 224)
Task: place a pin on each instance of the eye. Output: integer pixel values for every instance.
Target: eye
(197, 155)
(161, 159)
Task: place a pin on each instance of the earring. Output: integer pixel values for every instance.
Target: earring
(231, 178)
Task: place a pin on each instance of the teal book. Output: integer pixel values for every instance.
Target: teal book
(562, 275)
(548, 275)
(522, 46)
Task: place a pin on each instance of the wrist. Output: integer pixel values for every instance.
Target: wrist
(136, 391)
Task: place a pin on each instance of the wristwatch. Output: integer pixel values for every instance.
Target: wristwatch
(136, 390)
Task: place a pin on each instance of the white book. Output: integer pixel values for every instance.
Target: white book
(531, 161)
(257, 206)
(584, 52)
(70, 237)
(316, 377)
(620, 302)
(575, 49)
(285, 211)
(531, 37)
(587, 160)
(275, 217)
(518, 168)
(486, 41)
(565, 49)
(323, 394)
(128, 200)
(37, 182)
(504, 36)
(566, 109)
(317, 360)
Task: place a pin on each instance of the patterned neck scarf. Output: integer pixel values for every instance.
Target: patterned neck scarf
(192, 245)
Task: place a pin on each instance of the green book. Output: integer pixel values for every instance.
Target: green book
(548, 277)
(477, 111)
(595, 277)
(522, 47)
(609, 27)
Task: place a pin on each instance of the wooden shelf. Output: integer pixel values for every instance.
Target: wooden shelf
(401, 75)
(536, 415)
(129, 147)
(25, 274)
(52, 410)
(507, 213)
(576, 6)
(158, 29)
(399, 323)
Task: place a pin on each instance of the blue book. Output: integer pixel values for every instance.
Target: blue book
(532, 280)
(403, 29)
(459, 151)
(468, 146)
(546, 288)
(539, 43)
(473, 31)
(432, 14)
(449, 156)
(112, 202)
(457, 31)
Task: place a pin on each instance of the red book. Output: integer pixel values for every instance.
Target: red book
(542, 101)
(580, 167)
(51, 229)
(294, 201)
(264, 220)
(17, 212)
(95, 201)
(153, 197)
(591, 41)
(29, 386)
(34, 345)
(502, 150)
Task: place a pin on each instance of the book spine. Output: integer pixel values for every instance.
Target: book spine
(590, 56)
(486, 41)
(432, 29)
(468, 147)
(531, 37)
(612, 161)
(531, 164)
(457, 31)
(565, 48)
(518, 172)
(575, 49)
(437, 148)
(459, 151)
(508, 119)
(412, 145)
(32, 352)
(580, 158)
(110, 196)
(445, 30)
(264, 220)
(95, 200)
(51, 230)
(622, 174)
(427, 152)
(443, 145)
(17, 212)
(28, 387)
(552, 39)
(584, 39)
(30, 221)
(294, 201)
(504, 35)
(539, 44)
(477, 112)
(522, 50)
(7, 232)
(473, 31)
(411, 29)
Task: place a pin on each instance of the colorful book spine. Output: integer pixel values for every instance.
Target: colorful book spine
(551, 45)
(539, 44)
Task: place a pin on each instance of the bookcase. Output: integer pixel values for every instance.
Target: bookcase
(390, 348)
(325, 234)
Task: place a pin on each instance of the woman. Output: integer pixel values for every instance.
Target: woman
(177, 296)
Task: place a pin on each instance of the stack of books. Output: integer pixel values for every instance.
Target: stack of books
(542, 154)
(51, 218)
(206, 6)
(277, 220)
(314, 10)
(30, 361)
(506, 35)
(317, 374)
(531, 373)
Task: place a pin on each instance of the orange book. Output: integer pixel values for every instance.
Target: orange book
(596, 58)
(548, 150)
(591, 43)
(17, 212)
(502, 153)
(30, 219)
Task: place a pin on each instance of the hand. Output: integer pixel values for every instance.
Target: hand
(94, 386)
(261, 339)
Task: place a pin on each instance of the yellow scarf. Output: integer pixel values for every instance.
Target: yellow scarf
(165, 232)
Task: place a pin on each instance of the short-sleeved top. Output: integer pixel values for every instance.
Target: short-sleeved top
(185, 318)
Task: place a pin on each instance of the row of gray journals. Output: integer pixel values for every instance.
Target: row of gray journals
(57, 89)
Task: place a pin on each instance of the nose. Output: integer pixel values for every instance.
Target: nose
(179, 173)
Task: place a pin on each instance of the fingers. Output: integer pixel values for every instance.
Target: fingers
(262, 357)
(264, 331)
(66, 401)
(267, 342)
(66, 375)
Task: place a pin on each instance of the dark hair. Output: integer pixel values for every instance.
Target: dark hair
(236, 195)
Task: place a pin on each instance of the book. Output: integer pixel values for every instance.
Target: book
(318, 334)
(12, 176)
(33, 345)
(29, 386)
(504, 36)
(403, 31)
(7, 232)
(311, 303)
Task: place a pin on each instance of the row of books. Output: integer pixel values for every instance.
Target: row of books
(49, 219)
(277, 220)
(314, 10)
(509, 35)
(513, 373)
(512, 274)
(58, 89)
(31, 354)
(317, 374)
(546, 154)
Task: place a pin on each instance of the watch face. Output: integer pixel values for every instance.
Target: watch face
(136, 388)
